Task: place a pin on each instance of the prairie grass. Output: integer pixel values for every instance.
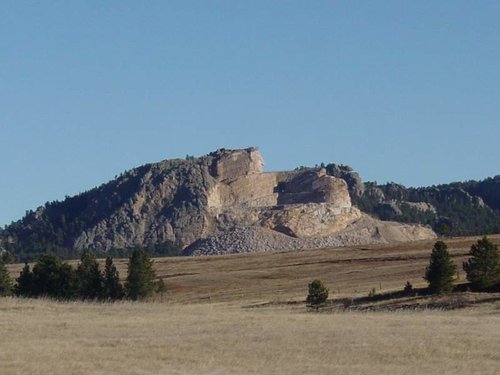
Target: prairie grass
(47, 337)
(202, 327)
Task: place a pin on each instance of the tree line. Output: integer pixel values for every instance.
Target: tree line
(53, 278)
(482, 270)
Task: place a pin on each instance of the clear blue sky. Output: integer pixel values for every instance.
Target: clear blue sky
(404, 91)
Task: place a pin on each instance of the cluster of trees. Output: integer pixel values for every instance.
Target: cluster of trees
(50, 277)
(482, 268)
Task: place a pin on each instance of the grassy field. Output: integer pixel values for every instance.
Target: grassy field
(205, 325)
(45, 337)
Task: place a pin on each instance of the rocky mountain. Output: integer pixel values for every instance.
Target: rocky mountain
(172, 204)
(224, 202)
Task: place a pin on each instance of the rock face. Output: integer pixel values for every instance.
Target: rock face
(218, 203)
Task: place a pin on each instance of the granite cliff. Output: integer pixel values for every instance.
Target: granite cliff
(218, 203)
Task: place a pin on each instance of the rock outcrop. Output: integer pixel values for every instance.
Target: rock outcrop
(224, 199)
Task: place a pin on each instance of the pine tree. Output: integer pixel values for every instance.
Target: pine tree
(113, 290)
(483, 267)
(141, 276)
(89, 277)
(24, 287)
(52, 278)
(441, 270)
(5, 281)
(318, 293)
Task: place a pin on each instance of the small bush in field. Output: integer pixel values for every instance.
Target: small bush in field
(318, 293)
(408, 289)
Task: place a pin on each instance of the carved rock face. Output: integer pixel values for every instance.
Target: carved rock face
(184, 200)
(230, 165)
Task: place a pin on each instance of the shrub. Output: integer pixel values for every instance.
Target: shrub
(441, 270)
(483, 267)
(318, 293)
(408, 289)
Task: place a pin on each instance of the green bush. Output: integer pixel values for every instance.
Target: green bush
(318, 293)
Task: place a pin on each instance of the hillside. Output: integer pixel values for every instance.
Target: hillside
(455, 209)
(224, 202)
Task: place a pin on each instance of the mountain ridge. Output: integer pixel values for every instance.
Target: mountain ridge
(174, 203)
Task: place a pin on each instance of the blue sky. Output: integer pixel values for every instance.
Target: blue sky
(404, 91)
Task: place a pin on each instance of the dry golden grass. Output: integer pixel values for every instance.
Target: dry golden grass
(220, 336)
(284, 276)
(46, 337)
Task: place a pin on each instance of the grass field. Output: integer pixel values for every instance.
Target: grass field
(45, 337)
(205, 326)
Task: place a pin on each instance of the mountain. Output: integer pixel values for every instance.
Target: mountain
(455, 209)
(224, 202)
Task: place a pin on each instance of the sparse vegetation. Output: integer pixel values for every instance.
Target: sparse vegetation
(441, 270)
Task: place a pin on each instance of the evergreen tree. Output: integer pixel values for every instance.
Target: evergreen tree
(483, 267)
(113, 290)
(5, 281)
(89, 277)
(52, 278)
(140, 279)
(441, 270)
(318, 293)
(25, 286)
